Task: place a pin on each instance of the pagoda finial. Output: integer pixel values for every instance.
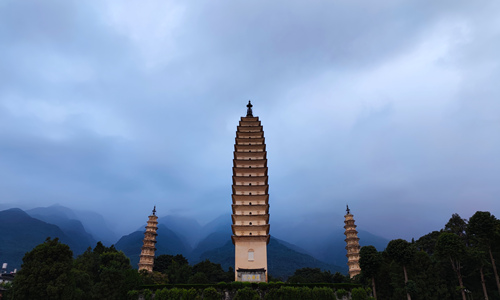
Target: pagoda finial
(154, 211)
(249, 110)
(348, 210)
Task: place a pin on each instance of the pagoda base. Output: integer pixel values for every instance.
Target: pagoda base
(251, 275)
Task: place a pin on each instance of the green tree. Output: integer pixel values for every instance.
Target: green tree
(452, 248)
(456, 225)
(340, 278)
(428, 242)
(478, 258)
(402, 252)
(483, 230)
(370, 261)
(176, 267)
(105, 273)
(213, 272)
(46, 273)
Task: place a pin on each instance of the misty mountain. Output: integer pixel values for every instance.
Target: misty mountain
(93, 223)
(212, 241)
(322, 236)
(168, 242)
(20, 233)
(65, 219)
(214, 235)
(282, 260)
(302, 245)
(324, 249)
(186, 228)
(331, 247)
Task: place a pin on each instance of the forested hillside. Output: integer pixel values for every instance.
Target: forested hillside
(458, 261)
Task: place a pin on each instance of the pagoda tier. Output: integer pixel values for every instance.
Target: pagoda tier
(250, 200)
(352, 246)
(148, 249)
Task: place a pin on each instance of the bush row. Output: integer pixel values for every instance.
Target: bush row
(261, 285)
(246, 292)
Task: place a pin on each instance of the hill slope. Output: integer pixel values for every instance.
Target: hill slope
(93, 223)
(64, 219)
(21, 233)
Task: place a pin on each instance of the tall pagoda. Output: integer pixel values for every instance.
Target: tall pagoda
(352, 247)
(147, 258)
(250, 201)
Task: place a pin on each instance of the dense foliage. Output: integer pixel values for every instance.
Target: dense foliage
(46, 273)
(247, 291)
(50, 272)
(456, 262)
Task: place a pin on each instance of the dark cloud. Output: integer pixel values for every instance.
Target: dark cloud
(391, 107)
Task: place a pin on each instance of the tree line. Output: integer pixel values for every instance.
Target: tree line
(49, 271)
(456, 262)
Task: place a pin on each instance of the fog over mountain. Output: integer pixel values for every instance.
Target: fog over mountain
(308, 247)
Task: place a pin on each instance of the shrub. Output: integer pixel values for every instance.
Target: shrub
(323, 293)
(191, 294)
(247, 294)
(288, 292)
(133, 295)
(147, 294)
(211, 293)
(341, 293)
(160, 294)
(304, 293)
(177, 293)
(359, 294)
(272, 294)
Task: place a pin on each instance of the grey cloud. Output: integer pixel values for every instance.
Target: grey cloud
(131, 134)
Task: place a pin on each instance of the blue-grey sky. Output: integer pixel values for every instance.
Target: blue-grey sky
(390, 106)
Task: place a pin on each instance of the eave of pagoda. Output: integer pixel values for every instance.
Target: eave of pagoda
(256, 135)
(245, 180)
(250, 218)
(247, 229)
(249, 171)
(250, 198)
(251, 238)
(251, 140)
(246, 163)
(250, 128)
(250, 155)
(250, 148)
(250, 189)
(246, 209)
(249, 121)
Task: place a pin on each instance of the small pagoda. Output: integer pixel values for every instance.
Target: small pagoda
(146, 261)
(250, 200)
(352, 247)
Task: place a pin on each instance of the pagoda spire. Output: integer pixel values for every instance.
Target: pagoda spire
(250, 200)
(148, 249)
(249, 109)
(352, 241)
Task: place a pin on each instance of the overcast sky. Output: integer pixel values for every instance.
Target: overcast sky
(392, 107)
